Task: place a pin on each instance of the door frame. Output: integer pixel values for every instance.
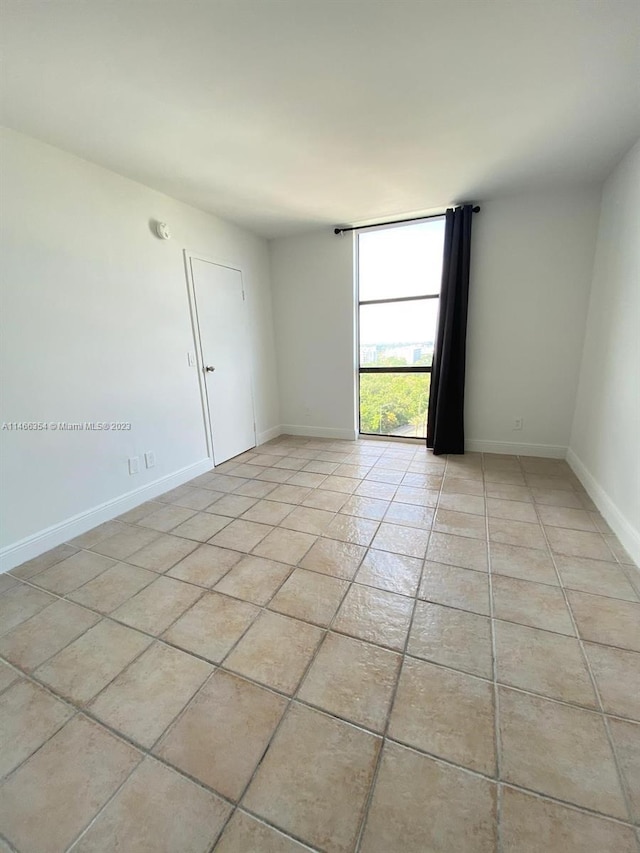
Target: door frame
(189, 257)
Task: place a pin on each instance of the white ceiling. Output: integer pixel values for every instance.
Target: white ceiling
(286, 114)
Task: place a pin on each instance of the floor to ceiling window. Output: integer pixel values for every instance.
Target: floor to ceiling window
(399, 272)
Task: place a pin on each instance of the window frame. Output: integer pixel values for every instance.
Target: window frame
(380, 370)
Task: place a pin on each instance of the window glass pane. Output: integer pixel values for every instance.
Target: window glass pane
(394, 403)
(398, 333)
(396, 262)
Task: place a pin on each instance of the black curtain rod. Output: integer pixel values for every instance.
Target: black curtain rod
(476, 209)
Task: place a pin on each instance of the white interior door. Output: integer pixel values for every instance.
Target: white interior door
(225, 357)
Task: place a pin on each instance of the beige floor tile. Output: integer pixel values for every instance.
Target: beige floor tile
(254, 579)
(21, 603)
(244, 832)
(73, 572)
(455, 587)
(393, 572)
(331, 501)
(375, 615)
(529, 564)
(535, 604)
(212, 626)
(556, 516)
(460, 524)
(255, 489)
(544, 481)
(578, 543)
(43, 561)
(275, 651)
(372, 489)
(306, 479)
(88, 664)
(452, 637)
(232, 505)
(314, 780)
(113, 587)
(535, 825)
(446, 713)
(506, 492)
(201, 526)
(223, 733)
(317, 466)
(268, 512)
(473, 504)
(365, 507)
(225, 483)
(308, 520)
(421, 805)
(29, 716)
(353, 680)
(617, 674)
(609, 621)
(595, 576)
(409, 515)
(401, 540)
(88, 765)
(32, 642)
(378, 474)
(289, 494)
(560, 751)
(145, 698)
(102, 531)
(413, 495)
(311, 596)
(616, 548)
(626, 740)
(137, 818)
(422, 481)
(339, 559)
(165, 518)
(198, 499)
(511, 510)
(505, 477)
(125, 542)
(461, 486)
(205, 566)
(556, 497)
(285, 546)
(345, 485)
(155, 607)
(7, 675)
(542, 662)
(163, 553)
(7, 580)
(348, 528)
(516, 533)
(458, 551)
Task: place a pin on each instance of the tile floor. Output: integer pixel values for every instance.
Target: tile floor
(329, 646)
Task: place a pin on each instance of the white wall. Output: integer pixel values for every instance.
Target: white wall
(605, 441)
(313, 296)
(532, 260)
(96, 326)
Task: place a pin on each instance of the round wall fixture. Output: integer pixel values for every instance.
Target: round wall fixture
(162, 231)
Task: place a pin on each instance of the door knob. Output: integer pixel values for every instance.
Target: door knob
(209, 369)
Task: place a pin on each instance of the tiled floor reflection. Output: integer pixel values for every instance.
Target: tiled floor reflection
(329, 646)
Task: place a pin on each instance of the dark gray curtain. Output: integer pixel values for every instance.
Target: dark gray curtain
(445, 422)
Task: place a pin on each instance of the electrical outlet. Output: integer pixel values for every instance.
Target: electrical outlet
(134, 465)
(518, 423)
(149, 458)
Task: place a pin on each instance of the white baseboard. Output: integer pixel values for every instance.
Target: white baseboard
(319, 432)
(268, 435)
(36, 544)
(552, 451)
(628, 535)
